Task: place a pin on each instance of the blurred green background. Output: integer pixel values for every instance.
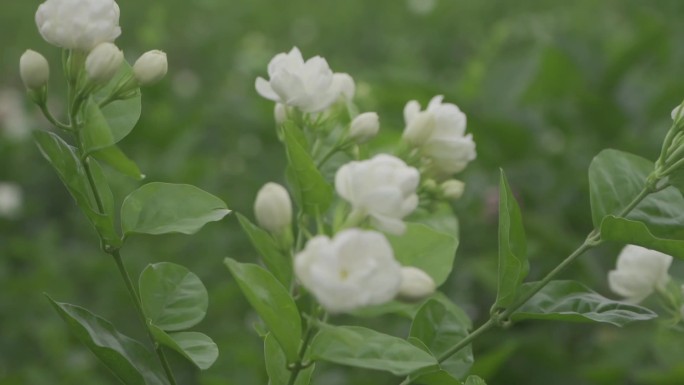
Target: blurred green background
(545, 84)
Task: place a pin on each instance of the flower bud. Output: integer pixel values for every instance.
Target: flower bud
(273, 208)
(34, 70)
(103, 62)
(639, 272)
(676, 113)
(415, 284)
(150, 68)
(419, 129)
(452, 189)
(280, 113)
(364, 127)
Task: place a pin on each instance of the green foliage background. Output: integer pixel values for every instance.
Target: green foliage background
(545, 84)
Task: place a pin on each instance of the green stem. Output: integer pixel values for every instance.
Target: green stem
(52, 119)
(299, 365)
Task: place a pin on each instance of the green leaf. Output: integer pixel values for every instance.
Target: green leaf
(173, 298)
(72, 173)
(366, 348)
(616, 178)
(114, 157)
(96, 133)
(272, 302)
(513, 264)
(440, 328)
(441, 218)
(573, 302)
(160, 208)
(278, 263)
(276, 365)
(121, 115)
(637, 233)
(125, 357)
(311, 191)
(474, 380)
(427, 249)
(677, 179)
(195, 347)
(439, 377)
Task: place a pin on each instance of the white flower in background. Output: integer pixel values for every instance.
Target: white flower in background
(150, 68)
(308, 85)
(439, 132)
(383, 188)
(344, 84)
(103, 62)
(639, 272)
(354, 269)
(364, 127)
(452, 189)
(415, 283)
(78, 24)
(34, 70)
(273, 208)
(15, 123)
(11, 199)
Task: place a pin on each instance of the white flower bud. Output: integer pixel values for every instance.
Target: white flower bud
(354, 269)
(273, 208)
(639, 272)
(675, 113)
(452, 189)
(415, 284)
(382, 188)
(345, 85)
(103, 62)
(419, 129)
(364, 127)
(11, 199)
(150, 68)
(280, 113)
(34, 70)
(78, 24)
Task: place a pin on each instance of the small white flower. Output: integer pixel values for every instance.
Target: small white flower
(11, 199)
(34, 70)
(364, 127)
(639, 272)
(383, 188)
(78, 24)
(439, 132)
(103, 62)
(344, 84)
(150, 68)
(273, 208)
(354, 269)
(452, 189)
(307, 85)
(415, 283)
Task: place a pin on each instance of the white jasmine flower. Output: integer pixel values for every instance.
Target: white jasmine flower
(364, 127)
(415, 283)
(34, 70)
(15, 123)
(639, 272)
(439, 132)
(354, 269)
(273, 208)
(11, 199)
(103, 62)
(382, 188)
(150, 68)
(78, 24)
(307, 85)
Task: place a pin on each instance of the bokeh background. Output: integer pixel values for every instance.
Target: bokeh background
(545, 84)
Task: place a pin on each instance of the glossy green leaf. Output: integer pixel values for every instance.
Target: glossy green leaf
(96, 133)
(637, 233)
(114, 157)
(129, 360)
(474, 380)
(513, 264)
(121, 115)
(427, 249)
(278, 263)
(198, 348)
(272, 302)
(366, 348)
(573, 302)
(173, 298)
(440, 327)
(276, 365)
(439, 377)
(160, 208)
(616, 178)
(311, 191)
(441, 218)
(73, 174)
